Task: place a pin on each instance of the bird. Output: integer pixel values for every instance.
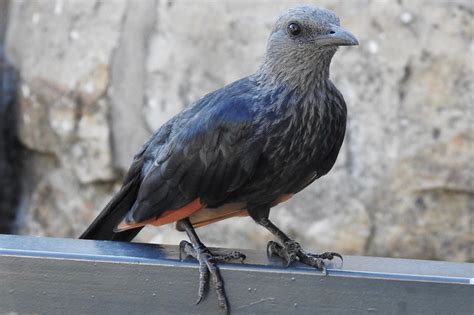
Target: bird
(242, 149)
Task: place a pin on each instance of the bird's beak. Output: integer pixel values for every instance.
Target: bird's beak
(337, 36)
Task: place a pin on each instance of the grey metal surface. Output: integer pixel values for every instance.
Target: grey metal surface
(66, 276)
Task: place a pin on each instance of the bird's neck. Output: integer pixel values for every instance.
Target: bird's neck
(294, 73)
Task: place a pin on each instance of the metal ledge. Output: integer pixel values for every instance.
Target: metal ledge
(67, 276)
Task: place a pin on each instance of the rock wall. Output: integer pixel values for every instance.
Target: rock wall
(10, 148)
(97, 77)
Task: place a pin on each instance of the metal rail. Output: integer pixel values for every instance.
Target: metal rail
(67, 276)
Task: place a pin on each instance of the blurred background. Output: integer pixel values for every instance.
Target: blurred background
(84, 84)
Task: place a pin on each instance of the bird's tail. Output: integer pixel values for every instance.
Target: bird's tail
(103, 226)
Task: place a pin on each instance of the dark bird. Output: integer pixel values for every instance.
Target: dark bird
(242, 149)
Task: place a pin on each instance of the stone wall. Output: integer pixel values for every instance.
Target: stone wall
(10, 148)
(97, 77)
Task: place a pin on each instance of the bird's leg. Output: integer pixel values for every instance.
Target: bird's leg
(289, 249)
(207, 263)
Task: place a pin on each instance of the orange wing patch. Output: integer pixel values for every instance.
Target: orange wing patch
(207, 216)
(197, 215)
(166, 217)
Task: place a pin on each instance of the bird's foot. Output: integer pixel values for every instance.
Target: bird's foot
(291, 251)
(207, 265)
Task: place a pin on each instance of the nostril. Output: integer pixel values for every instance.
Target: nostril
(332, 32)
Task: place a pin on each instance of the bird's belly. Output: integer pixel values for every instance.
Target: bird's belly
(235, 209)
(209, 215)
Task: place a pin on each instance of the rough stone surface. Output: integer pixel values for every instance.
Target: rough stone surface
(127, 90)
(63, 51)
(10, 148)
(99, 77)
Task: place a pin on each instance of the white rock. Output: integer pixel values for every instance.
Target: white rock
(373, 47)
(406, 17)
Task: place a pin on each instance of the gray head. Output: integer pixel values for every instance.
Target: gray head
(302, 43)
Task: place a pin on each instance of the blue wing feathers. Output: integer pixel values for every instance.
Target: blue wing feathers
(211, 150)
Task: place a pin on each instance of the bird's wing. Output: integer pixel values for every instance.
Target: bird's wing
(211, 156)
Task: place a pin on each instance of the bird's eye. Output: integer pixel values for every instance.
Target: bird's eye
(294, 29)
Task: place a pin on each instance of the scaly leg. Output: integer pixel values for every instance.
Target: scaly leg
(207, 263)
(289, 249)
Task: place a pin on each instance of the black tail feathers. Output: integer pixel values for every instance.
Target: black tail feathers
(103, 226)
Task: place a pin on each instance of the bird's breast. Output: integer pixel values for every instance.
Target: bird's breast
(300, 144)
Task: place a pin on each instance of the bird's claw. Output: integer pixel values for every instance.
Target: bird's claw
(207, 265)
(291, 251)
(226, 257)
(328, 256)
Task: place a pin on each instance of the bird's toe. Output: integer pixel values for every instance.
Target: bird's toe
(291, 251)
(227, 257)
(317, 260)
(208, 269)
(210, 261)
(328, 255)
(288, 252)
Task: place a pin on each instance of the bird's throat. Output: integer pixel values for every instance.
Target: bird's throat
(301, 74)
